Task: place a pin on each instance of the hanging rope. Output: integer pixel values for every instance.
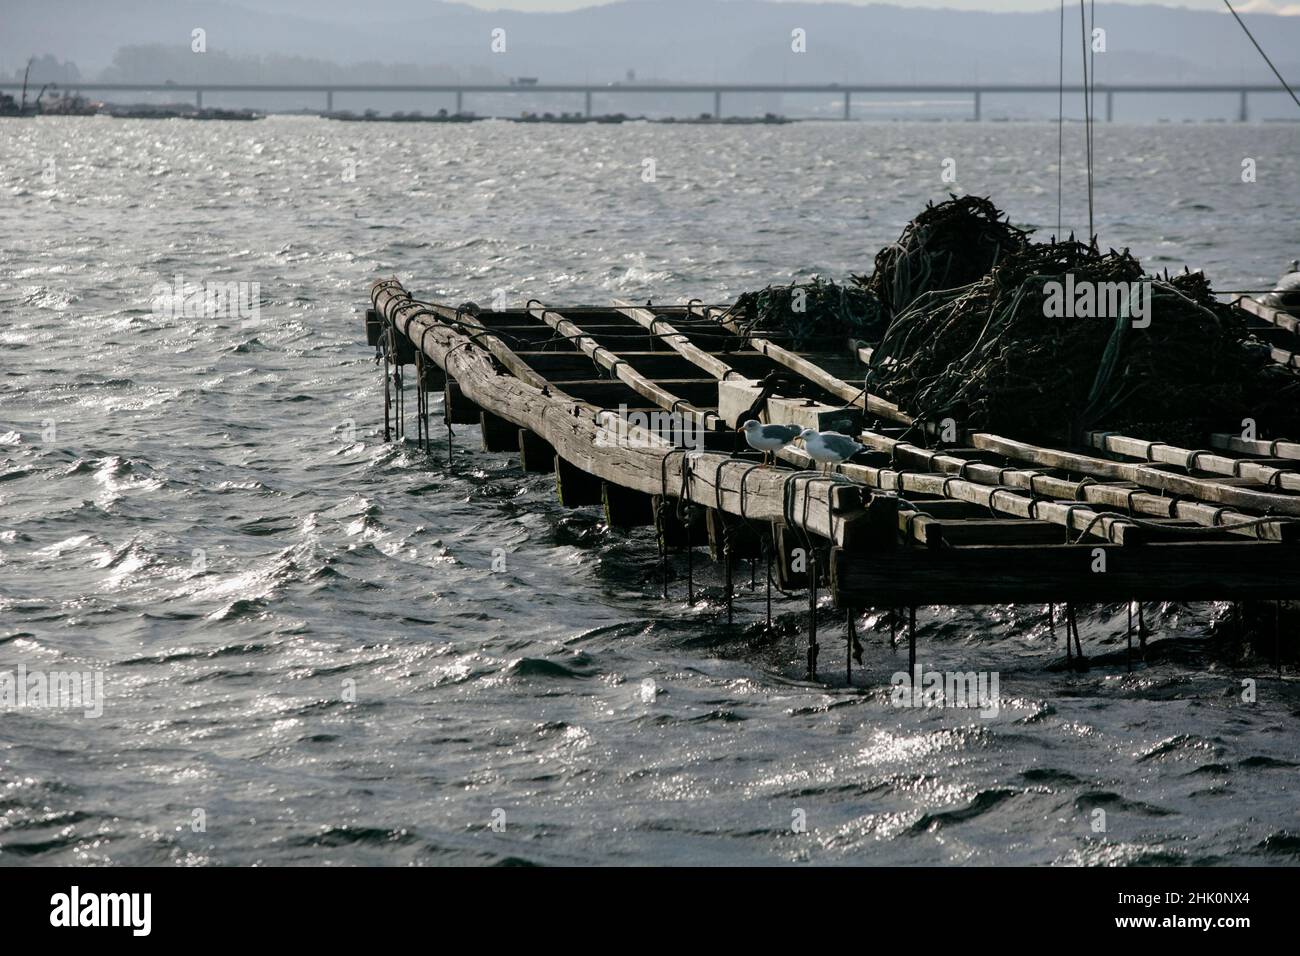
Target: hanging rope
(1087, 110)
(1060, 129)
(1285, 85)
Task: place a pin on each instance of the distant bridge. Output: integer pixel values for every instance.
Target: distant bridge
(974, 90)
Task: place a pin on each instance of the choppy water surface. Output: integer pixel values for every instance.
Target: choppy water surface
(300, 629)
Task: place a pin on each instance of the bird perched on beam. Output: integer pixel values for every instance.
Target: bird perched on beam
(826, 448)
(768, 438)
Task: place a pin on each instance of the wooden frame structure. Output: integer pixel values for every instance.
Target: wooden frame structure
(634, 408)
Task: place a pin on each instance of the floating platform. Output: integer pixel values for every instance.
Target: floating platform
(635, 408)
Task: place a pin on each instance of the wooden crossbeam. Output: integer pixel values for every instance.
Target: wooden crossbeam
(995, 574)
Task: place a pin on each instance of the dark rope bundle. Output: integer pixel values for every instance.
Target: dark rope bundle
(806, 311)
(998, 354)
(948, 245)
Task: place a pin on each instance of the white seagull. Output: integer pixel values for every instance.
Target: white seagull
(827, 447)
(768, 438)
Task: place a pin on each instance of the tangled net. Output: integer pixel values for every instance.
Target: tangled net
(989, 355)
(946, 246)
(815, 309)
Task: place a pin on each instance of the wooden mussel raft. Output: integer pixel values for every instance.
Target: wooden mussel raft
(635, 409)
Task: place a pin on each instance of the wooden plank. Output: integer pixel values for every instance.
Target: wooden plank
(1270, 314)
(498, 434)
(1200, 488)
(576, 487)
(620, 368)
(934, 472)
(459, 409)
(998, 574)
(659, 326)
(937, 533)
(625, 508)
(535, 453)
(1256, 446)
(573, 365)
(1284, 479)
(635, 458)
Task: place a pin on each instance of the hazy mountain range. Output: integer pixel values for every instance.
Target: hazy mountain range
(669, 40)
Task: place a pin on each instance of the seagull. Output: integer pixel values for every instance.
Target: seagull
(768, 438)
(827, 447)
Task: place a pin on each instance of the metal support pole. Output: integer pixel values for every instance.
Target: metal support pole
(1243, 114)
(847, 108)
(977, 106)
(727, 560)
(1069, 651)
(198, 98)
(767, 557)
(460, 101)
(717, 104)
(690, 559)
(1129, 658)
(812, 615)
(850, 638)
(911, 640)
(589, 103)
(1110, 106)
(663, 543)
(329, 101)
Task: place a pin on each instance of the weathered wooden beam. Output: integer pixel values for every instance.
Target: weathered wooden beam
(1285, 479)
(1289, 450)
(937, 532)
(980, 574)
(1275, 316)
(1128, 496)
(1200, 488)
(605, 446)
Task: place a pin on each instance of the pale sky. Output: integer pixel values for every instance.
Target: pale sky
(1290, 7)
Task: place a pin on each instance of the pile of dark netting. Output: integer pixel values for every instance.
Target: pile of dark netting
(946, 246)
(989, 356)
(816, 309)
